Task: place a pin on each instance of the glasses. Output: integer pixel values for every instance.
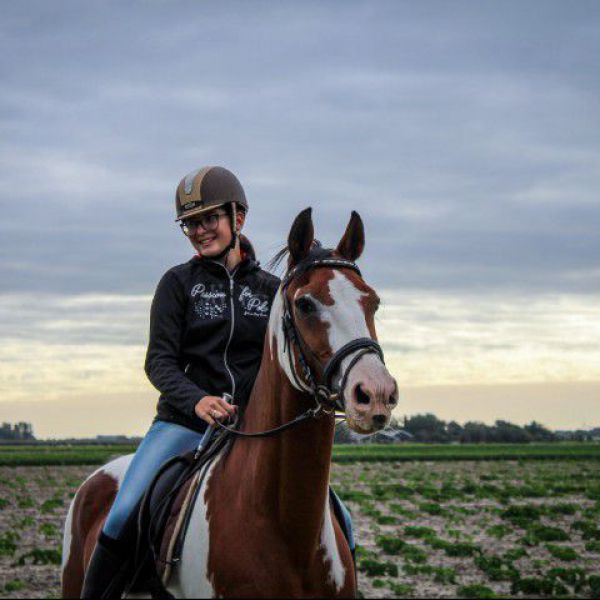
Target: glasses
(207, 222)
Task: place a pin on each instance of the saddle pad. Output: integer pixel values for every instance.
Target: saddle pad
(176, 519)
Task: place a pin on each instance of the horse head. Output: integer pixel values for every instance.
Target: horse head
(330, 312)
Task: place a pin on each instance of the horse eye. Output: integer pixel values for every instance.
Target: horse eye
(305, 306)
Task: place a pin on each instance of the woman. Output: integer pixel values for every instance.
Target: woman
(207, 326)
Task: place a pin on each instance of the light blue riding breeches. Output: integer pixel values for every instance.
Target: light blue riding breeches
(162, 442)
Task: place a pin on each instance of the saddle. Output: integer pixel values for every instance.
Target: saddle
(158, 527)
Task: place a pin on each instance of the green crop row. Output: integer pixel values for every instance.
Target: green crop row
(95, 455)
(60, 455)
(411, 452)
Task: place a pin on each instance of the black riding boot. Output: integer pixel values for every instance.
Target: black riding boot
(106, 573)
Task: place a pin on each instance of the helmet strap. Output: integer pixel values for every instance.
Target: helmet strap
(234, 235)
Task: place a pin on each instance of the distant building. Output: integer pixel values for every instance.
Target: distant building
(386, 436)
(112, 439)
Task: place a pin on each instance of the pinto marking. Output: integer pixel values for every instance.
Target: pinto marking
(67, 537)
(337, 571)
(345, 316)
(196, 583)
(276, 337)
(78, 525)
(117, 468)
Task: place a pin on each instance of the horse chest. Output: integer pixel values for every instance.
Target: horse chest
(228, 556)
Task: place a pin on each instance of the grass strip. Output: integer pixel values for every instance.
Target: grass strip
(453, 452)
(41, 455)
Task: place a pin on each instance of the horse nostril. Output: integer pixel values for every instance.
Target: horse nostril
(379, 420)
(361, 396)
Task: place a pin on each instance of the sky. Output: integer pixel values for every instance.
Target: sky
(466, 134)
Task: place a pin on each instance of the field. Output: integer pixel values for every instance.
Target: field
(475, 529)
(427, 525)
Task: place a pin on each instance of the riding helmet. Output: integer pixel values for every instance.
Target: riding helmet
(207, 188)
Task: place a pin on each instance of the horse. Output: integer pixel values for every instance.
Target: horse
(262, 525)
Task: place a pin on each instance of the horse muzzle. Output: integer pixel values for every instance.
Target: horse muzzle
(370, 395)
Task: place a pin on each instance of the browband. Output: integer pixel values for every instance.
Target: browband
(315, 264)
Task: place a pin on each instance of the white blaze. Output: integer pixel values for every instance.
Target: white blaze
(346, 319)
(345, 316)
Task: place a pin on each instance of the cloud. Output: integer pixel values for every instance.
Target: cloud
(55, 346)
(84, 320)
(89, 349)
(465, 135)
(435, 339)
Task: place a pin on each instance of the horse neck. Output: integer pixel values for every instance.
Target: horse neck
(285, 477)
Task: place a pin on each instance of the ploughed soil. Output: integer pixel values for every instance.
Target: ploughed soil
(463, 504)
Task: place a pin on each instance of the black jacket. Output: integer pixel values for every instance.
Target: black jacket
(207, 330)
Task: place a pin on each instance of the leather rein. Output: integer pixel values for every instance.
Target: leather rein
(326, 398)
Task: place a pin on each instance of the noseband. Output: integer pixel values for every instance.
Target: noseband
(326, 398)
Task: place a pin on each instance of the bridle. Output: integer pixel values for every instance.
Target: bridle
(322, 389)
(326, 398)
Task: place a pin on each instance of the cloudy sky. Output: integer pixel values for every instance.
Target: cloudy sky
(466, 134)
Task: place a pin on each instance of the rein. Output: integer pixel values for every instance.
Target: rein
(311, 413)
(326, 399)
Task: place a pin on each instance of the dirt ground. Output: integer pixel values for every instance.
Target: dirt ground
(460, 502)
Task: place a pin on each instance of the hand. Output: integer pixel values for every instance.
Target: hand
(214, 407)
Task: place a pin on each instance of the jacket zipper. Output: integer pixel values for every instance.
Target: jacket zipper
(230, 331)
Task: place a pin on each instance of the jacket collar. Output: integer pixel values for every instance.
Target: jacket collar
(245, 266)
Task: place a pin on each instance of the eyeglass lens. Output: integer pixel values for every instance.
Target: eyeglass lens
(208, 223)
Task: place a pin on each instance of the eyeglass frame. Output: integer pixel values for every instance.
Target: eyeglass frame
(200, 222)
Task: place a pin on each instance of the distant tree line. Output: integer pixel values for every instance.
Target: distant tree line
(428, 428)
(18, 431)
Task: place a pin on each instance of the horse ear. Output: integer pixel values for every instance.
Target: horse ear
(352, 243)
(301, 236)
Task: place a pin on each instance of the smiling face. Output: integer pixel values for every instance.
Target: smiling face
(210, 232)
(332, 307)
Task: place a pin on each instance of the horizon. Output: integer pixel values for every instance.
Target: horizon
(399, 418)
(422, 400)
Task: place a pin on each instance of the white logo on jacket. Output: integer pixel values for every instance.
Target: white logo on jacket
(211, 303)
(255, 305)
(200, 289)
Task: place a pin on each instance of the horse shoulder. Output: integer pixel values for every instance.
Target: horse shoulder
(86, 515)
